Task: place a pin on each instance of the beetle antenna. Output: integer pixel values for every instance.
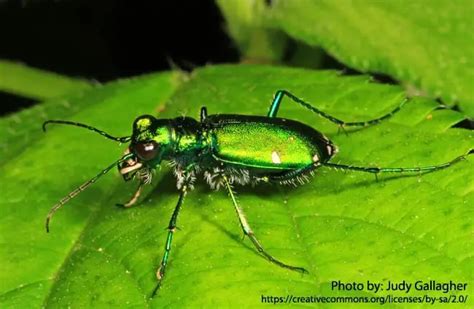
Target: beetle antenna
(81, 188)
(123, 139)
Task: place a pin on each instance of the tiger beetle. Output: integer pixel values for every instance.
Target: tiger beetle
(228, 150)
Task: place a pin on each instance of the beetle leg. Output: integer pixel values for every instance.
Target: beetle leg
(134, 198)
(376, 170)
(160, 273)
(248, 232)
(273, 111)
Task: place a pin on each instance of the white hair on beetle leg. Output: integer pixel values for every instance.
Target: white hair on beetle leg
(216, 180)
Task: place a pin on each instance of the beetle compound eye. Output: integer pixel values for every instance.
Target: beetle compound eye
(146, 151)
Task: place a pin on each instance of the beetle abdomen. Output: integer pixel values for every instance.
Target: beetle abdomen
(267, 143)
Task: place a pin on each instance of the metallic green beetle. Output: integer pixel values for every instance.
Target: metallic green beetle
(228, 150)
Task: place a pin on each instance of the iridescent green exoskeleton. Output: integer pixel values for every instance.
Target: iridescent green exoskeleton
(228, 150)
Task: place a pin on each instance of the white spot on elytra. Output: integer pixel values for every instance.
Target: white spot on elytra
(329, 148)
(276, 158)
(315, 158)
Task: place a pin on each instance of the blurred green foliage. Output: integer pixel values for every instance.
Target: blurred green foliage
(424, 44)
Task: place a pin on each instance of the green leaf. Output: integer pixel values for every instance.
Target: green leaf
(30, 259)
(37, 84)
(247, 24)
(340, 226)
(428, 44)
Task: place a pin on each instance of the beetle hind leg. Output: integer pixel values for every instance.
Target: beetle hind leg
(275, 105)
(377, 170)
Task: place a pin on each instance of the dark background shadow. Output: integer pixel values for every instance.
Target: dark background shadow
(108, 39)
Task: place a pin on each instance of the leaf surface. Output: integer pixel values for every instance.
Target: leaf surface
(340, 226)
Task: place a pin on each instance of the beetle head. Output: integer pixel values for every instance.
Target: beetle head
(149, 143)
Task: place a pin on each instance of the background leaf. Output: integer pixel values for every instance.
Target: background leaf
(341, 226)
(35, 83)
(428, 44)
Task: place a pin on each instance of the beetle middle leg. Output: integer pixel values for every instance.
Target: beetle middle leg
(248, 231)
(160, 273)
(273, 111)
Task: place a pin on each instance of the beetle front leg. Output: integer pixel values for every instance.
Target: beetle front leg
(134, 198)
(248, 232)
